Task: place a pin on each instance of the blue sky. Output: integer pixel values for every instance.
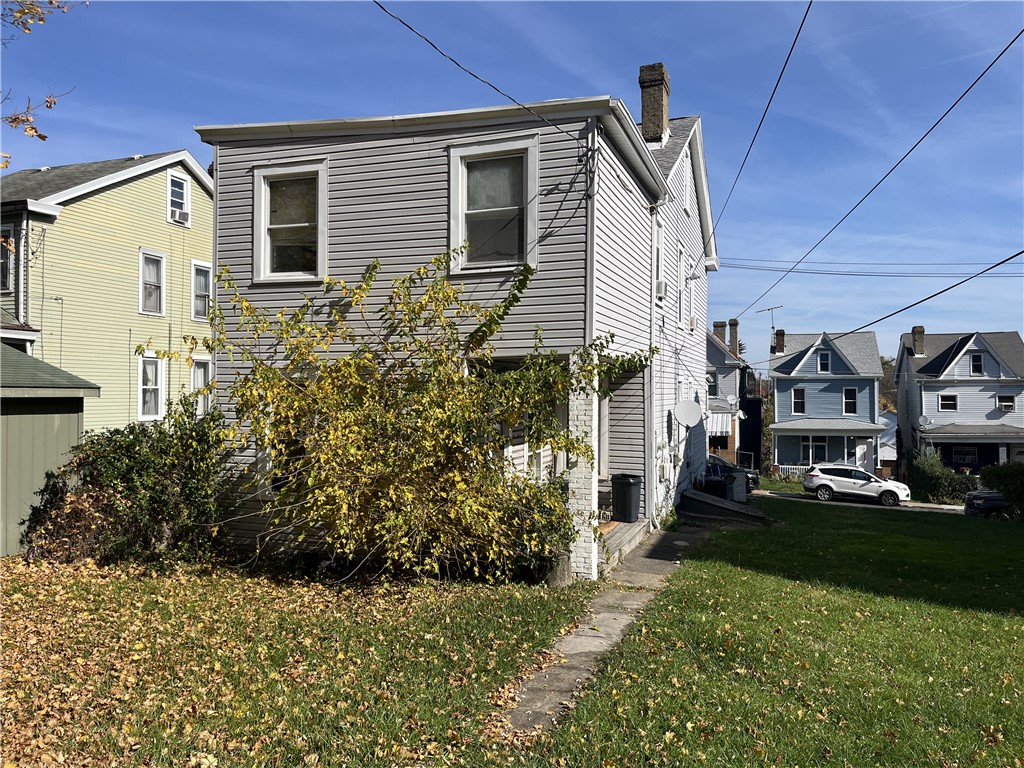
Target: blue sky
(867, 79)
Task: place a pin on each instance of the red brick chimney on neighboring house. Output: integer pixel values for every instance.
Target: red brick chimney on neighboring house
(917, 334)
(654, 91)
(720, 329)
(780, 342)
(734, 336)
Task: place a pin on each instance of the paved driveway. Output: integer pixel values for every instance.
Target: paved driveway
(948, 509)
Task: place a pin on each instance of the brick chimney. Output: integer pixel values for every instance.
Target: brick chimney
(780, 342)
(917, 333)
(734, 336)
(720, 329)
(654, 90)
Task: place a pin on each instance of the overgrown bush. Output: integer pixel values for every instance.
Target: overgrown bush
(933, 481)
(1008, 479)
(137, 492)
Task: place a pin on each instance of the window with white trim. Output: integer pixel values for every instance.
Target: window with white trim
(290, 220)
(494, 208)
(849, 401)
(151, 391)
(977, 364)
(1006, 403)
(202, 375)
(824, 362)
(179, 198)
(152, 283)
(813, 449)
(7, 260)
(799, 400)
(202, 290)
(947, 402)
(712, 383)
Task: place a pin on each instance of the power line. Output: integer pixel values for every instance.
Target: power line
(838, 273)
(732, 259)
(475, 76)
(889, 172)
(759, 124)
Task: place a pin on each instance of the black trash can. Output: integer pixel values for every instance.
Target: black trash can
(625, 498)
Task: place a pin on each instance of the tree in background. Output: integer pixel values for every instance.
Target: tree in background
(887, 396)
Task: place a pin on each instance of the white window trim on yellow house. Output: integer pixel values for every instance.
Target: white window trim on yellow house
(144, 254)
(196, 382)
(197, 265)
(161, 373)
(186, 181)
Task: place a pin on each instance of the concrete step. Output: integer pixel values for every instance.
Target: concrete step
(619, 540)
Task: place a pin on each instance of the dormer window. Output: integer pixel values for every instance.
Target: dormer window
(977, 364)
(824, 362)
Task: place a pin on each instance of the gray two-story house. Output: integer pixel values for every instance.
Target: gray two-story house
(734, 409)
(613, 216)
(961, 394)
(826, 399)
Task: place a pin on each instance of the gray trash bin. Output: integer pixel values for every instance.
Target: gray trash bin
(625, 498)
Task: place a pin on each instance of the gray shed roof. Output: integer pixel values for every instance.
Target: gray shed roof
(679, 129)
(859, 349)
(22, 375)
(973, 430)
(941, 348)
(36, 184)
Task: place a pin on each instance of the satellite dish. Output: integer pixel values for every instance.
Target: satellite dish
(923, 420)
(731, 399)
(687, 412)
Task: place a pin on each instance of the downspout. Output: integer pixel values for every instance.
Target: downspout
(591, 194)
(22, 300)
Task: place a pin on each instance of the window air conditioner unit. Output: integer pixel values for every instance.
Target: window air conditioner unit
(179, 217)
(661, 289)
(1008, 407)
(693, 322)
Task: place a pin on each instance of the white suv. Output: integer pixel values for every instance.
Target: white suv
(828, 480)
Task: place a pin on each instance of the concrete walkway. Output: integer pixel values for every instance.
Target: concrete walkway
(631, 586)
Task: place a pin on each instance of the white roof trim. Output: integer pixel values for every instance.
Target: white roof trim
(45, 209)
(183, 157)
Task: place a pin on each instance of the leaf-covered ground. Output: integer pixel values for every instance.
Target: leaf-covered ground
(215, 667)
(841, 636)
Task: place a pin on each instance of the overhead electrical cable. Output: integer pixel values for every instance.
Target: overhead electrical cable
(861, 273)
(759, 124)
(887, 173)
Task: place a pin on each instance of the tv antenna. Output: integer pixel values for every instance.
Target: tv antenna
(772, 310)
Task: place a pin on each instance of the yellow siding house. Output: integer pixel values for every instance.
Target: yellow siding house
(106, 256)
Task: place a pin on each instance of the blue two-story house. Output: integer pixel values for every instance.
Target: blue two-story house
(961, 394)
(826, 399)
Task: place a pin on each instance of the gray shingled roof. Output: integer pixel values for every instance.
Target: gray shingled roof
(679, 129)
(21, 371)
(941, 348)
(807, 426)
(859, 349)
(36, 184)
(967, 430)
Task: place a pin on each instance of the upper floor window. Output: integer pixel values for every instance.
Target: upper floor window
(824, 362)
(151, 283)
(713, 384)
(202, 286)
(977, 364)
(947, 402)
(1006, 403)
(494, 205)
(6, 259)
(849, 401)
(290, 241)
(799, 400)
(179, 198)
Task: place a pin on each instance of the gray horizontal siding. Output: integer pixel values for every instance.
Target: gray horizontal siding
(809, 367)
(824, 399)
(627, 430)
(990, 366)
(976, 404)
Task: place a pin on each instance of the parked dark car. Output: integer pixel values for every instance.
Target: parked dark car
(986, 503)
(719, 466)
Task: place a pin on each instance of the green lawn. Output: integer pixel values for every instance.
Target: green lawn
(839, 637)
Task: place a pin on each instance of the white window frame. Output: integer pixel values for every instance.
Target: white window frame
(808, 448)
(956, 404)
(7, 232)
(712, 383)
(824, 361)
(981, 364)
(175, 175)
(192, 304)
(846, 411)
(145, 253)
(261, 220)
(803, 399)
(458, 154)
(1002, 399)
(202, 401)
(161, 374)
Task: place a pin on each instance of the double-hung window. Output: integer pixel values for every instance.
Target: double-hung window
(202, 288)
(202, 375)
(824, 362)
(947, 402)
(290, 217)
(493, 204)
(799, 400)
(712, 384)
(849, 401)
(152, 283)
(977, 364)
(151, 391)
(179, 198)
(7, 259)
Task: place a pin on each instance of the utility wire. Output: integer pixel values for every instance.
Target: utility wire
(475, 76)
(835, 273)
(888, 173)
(759, 124)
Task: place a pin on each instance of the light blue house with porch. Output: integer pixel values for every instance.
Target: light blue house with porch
(826, 400)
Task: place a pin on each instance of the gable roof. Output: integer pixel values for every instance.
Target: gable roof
(666, 155)
(859, 350)
(22, 375)
(942, 349)
(730, 358)
(65, 182)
